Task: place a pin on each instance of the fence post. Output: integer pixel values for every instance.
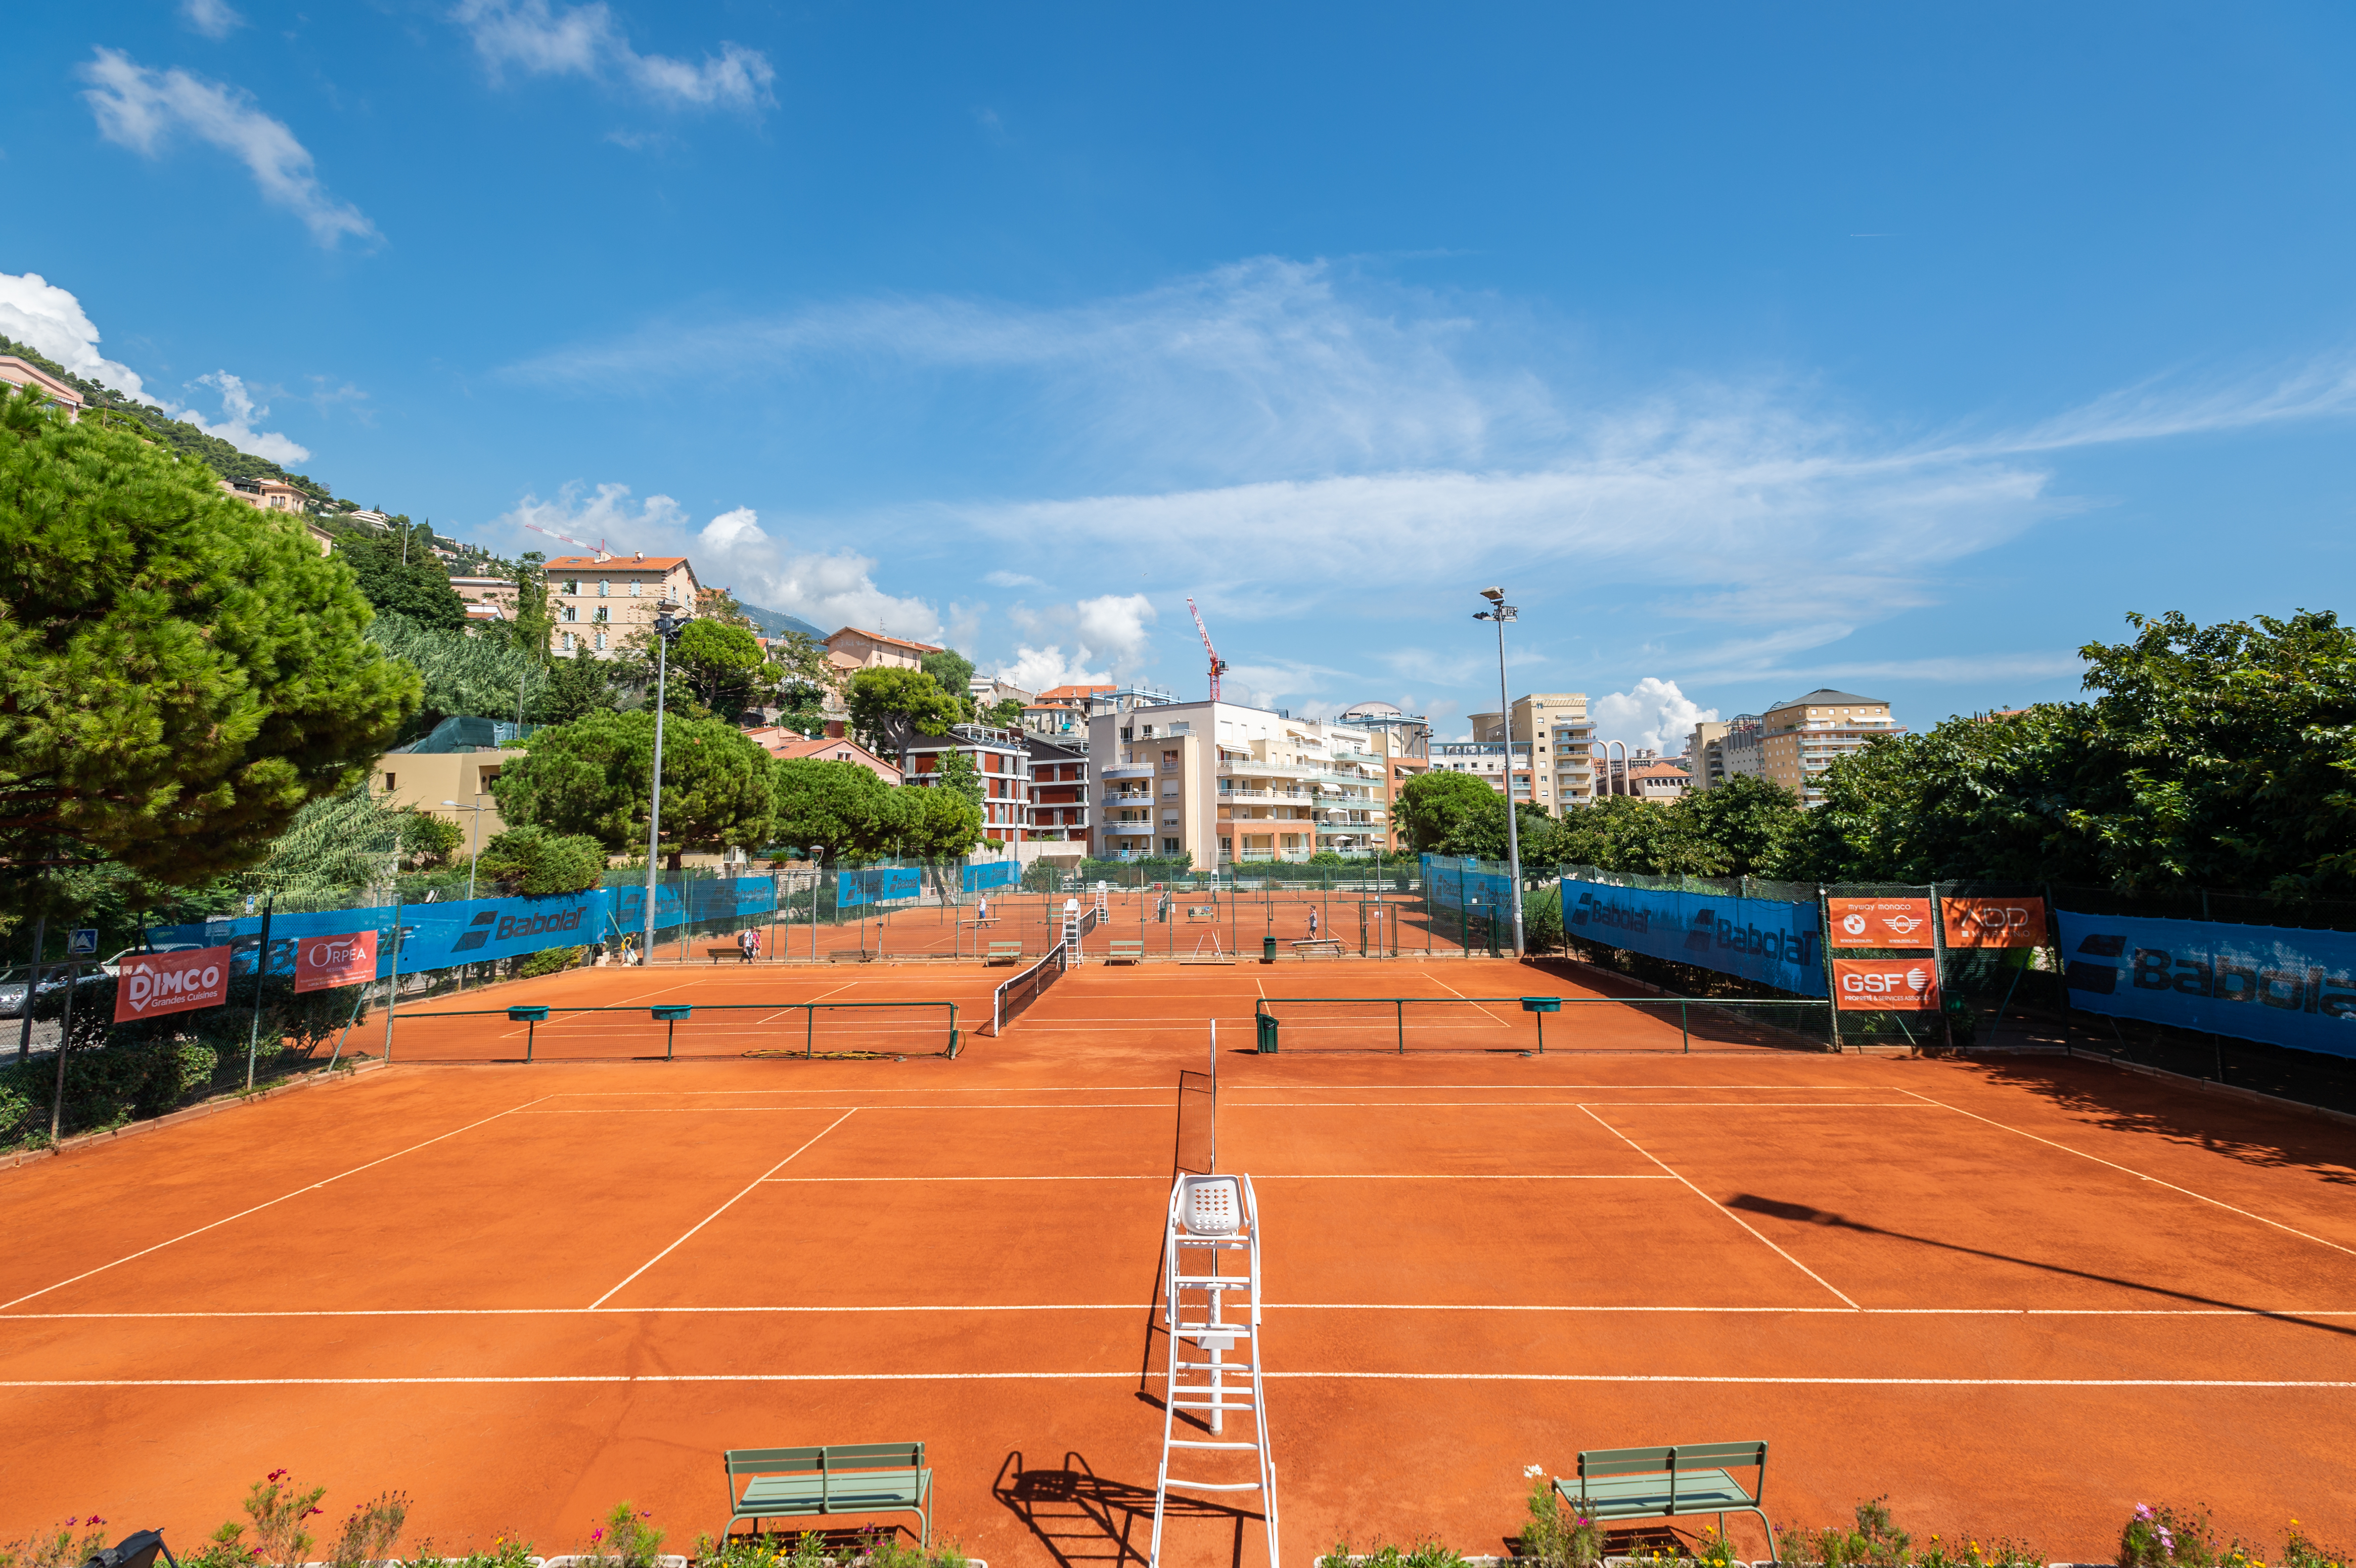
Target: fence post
(1832, 992)
(809, 1031)
(1939, 961)
(1684, 1033)
(1400, 1007)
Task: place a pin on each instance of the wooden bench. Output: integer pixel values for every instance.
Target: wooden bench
(1126, 953)
(1332, 941)
(727, 950)
(1669, 1483)
(1004, 953)
(842, 1478)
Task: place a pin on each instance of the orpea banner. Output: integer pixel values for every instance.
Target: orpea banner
(2265, 983)
(1767, 940)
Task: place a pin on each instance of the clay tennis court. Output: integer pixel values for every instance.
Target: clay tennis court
(2022, 1297)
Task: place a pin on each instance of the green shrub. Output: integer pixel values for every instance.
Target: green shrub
(2300, 1551)
(61, 1548)
(1384, 1554)
(2166, 1537)
(1555, 1536)
(624, 1540)
(537, 862)
(549, 960)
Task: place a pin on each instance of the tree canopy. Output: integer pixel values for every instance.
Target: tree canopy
(417, 586)
(836, 809)
(482, 677)
(579, 685)
(722, 665)
(1432, 809)
(954, 672)
(593, 776)
(533, 860)
(179, 673)
(887, 703)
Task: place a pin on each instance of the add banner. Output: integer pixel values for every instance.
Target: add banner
(152, 984)
(1886, 984)
(1880, 923)
(1769, 940)
(2267, 983)
(1995, 922)
(323, 962)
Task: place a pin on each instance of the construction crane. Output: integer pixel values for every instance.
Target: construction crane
(1217, 664)
(599, 546)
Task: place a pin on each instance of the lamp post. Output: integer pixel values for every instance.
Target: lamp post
(477, 808)
(669, 624)
(1500, 612)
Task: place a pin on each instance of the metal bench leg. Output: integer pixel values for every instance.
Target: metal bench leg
(1773, 1555)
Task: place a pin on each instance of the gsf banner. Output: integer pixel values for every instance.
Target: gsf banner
(1886, 984)
(1767, 940)
(2254, 982)
(152, 984)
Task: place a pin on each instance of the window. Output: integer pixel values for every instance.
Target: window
(571, 585)
(601, 642)
(571, 613)
(601, 587)
(566, 641)
(389, 783)
(602, 615)
(1170, 846)
(633, 590)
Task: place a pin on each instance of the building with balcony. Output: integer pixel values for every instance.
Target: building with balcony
(1801, 737)
(56, 394)
(1554, 726)
(1403, 743)
(600, 600)
(1059, 791)
(1718, 751)
(1485, 760)
(1224, 782)
(788, 744)
(1002, 762)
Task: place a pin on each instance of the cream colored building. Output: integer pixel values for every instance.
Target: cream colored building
(424, 780)
(18, 372)
(1226, 784)
(1559, 771)
(1800, 738)
(600, 600)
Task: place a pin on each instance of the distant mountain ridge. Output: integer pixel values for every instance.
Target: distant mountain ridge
(776, 623)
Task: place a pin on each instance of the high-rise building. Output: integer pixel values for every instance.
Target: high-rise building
(1554, 740)
(1227, 784)
(1403, 741)
(1719, 750)
(1801, 737)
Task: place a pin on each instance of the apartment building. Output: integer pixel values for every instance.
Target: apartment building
(1229, 783)
(1655, 779)
(1718, 750)
(1485, 760)
(1002, 759)
(601, 600)
(17, 372)
(1552, 728)
(784, 744)
(487, 598)
(1063, 712)
(853, 648)
(1801, 737)
(1403, 743)
(1059, 790)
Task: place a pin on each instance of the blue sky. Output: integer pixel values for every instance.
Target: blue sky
(1754, 348)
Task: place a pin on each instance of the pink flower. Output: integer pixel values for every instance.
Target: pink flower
(2143, 1510)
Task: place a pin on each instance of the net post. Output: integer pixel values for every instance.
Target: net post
(1684, 1033)
(1400, 1007)
(809, 1031)
(530, 1028)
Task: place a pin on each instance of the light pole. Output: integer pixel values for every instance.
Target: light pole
(668, 623)
(477, 808)
(1500, 612)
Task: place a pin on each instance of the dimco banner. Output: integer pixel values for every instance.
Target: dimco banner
(1880, 923)
(2265, 983)
(1886, 984)
(1994, 922)
(1765, 940)
(152, 984)
(323, 962)
(992, 874)
(877, 885)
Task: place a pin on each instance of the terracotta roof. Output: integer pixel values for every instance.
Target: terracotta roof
(1071, 693)
(615, 562)
(782, 742)
(886, 638)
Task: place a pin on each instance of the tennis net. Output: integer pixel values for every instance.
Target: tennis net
(1400, 1024)
(555, 1033)
(1013, 999)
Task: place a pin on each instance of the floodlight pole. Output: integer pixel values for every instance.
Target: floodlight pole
(1500, 612)
(666, 626)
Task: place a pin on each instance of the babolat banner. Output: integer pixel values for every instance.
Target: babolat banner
(2265, 983)
(1451, 883)
(877, 885)
(1767, 940)
(992, 874)
(432, 935)
(713, 898)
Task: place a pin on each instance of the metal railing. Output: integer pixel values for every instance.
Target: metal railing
(533, 1016)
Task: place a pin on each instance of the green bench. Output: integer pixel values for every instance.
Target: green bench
(1004, 953)
(843, 1478)
(1669, 1483)
(1126, 953)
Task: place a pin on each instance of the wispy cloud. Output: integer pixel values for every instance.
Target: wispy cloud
(240, 411)
(146, 109)
(540, 39)
(213, 18)
(1113, 629)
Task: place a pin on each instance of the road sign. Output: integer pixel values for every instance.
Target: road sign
(83, 942)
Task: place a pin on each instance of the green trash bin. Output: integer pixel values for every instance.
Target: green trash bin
(1268, 949)
(1268, 1030)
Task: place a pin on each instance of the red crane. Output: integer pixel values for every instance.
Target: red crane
(599, 546)
(1217, 664)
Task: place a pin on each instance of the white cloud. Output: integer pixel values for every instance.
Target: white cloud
(586, 41)
(237, 428)
(1653, 715)
(143, 109)
(1112, 629)
(830, 590)
(43, 316)
(1010, 579)
(213, 18)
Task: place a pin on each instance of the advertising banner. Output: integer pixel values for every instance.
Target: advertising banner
(1886, 984)
(877, 884)
(1452, 884)
(152, 984)
(2264, 982)
(1880, 923)
(322, 963)
(1995, 922)
(1768, 940)
(992, 874)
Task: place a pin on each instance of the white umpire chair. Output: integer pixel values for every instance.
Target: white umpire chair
(1212, 1218)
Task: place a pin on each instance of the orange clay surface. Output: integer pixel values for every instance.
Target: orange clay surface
(2017, 1296)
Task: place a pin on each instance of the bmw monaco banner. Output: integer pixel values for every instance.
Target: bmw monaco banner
(1766, 939)
(2264, 982)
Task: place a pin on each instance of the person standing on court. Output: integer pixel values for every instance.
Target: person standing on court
(748, 942)
(981, 909)
(1312, 923)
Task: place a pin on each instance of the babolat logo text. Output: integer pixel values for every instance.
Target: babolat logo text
(513, 928)
(478, 931)
(2294, 990)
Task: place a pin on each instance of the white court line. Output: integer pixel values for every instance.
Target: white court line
(726, 1110)
(940, 1179)
(1721, 1207)
(258, 1208)
(636, 1377)
(2098, 1160)
(1295, 1175)
(1036, 1089)
(723, 1208)
(2258, 1312)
